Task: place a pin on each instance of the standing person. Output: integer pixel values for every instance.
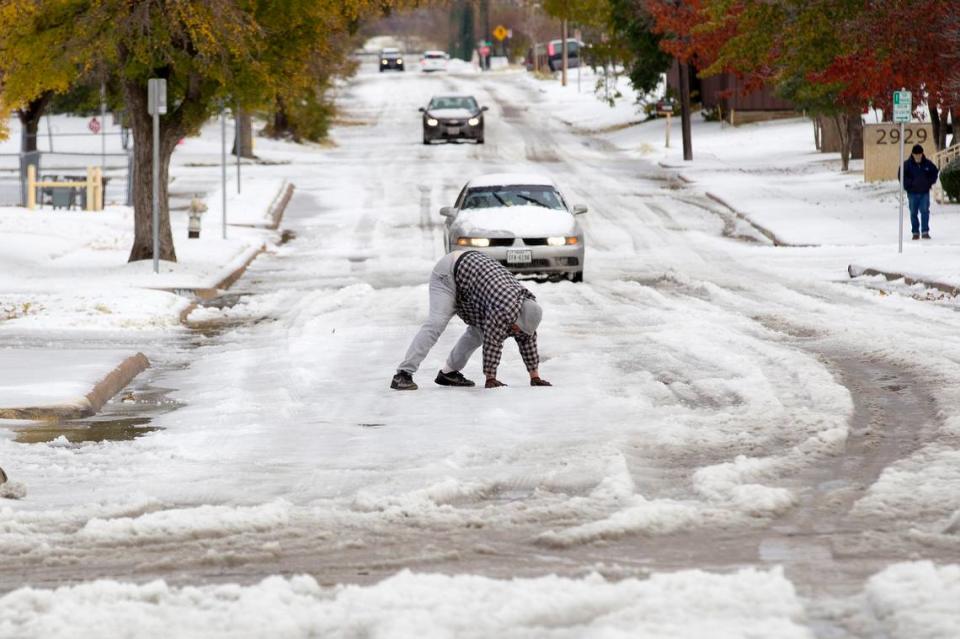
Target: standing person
(919, 176)
(493, 304)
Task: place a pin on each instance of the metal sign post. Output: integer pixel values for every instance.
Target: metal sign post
(103, 121)
(223, 166)
(902, 112)
(156, 105)
(239, 136)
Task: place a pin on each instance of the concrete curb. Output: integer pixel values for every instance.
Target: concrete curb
(276, 210)
(767, 233)
(279, 206)
(857, 271)
(92, 402)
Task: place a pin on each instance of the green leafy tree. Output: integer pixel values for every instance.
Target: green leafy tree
(790, 44)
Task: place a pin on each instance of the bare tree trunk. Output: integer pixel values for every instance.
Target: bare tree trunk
(30, 120)
(841, 121)
(245, 129)
(939, 127)
(855, 135)
(142, 127)
(954, 116)
(685, 111)
(280, 125)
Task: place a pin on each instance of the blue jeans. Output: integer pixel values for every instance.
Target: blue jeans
(919, 202)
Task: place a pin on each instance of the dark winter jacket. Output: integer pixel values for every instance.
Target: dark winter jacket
(919, 177)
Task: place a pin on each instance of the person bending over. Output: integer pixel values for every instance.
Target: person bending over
(493, 304)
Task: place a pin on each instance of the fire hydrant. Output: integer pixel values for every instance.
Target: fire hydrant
(197, 207)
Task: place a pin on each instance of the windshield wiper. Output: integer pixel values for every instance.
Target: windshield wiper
(499, 199)
(532, 199)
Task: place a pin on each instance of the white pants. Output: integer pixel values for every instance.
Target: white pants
(443, 301)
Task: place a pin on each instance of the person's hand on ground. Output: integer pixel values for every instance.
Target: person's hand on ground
(539, 381)
(493, 382)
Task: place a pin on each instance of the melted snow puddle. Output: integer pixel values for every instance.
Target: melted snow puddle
(125, 417)
(90, 430)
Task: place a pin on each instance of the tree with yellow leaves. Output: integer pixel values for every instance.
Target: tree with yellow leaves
(210, 52)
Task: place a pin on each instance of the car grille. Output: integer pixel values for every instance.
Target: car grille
(452, 122)
(532, 264)
(535, 241)
(501, 241)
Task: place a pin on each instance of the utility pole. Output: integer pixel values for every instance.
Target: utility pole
(563, 52)
(685, 110)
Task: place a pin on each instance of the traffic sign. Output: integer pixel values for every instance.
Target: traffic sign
(500, 33)
(94, 125)
(902, 106)
(156, 96)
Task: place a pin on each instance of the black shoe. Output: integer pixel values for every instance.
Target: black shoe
(925, 236)
(916, 236)
(455, 378)
(403, 381)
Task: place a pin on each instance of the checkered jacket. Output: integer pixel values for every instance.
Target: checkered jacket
(489, 297)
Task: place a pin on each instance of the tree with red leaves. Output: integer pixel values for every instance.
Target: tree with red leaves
(899, 44)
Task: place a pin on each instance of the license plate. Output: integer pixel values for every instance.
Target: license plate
(519, 257)
(453, 130)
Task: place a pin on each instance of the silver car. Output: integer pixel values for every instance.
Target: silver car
(522, 221)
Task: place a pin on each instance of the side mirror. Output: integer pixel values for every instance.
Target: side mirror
(422, 110)
(483, 108)
(447, 211)
(579, 209)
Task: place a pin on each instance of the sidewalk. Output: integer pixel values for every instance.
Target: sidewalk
(44, 384)
(65, 274)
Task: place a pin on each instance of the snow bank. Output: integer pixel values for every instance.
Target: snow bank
(37, 377)
(691, 604)
(252, 206)
(917, 600)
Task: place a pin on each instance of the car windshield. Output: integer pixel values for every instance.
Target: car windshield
(506, 196)
(453, 103)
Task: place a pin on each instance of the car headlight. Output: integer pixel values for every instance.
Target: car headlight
(399, 60)
(432, 122)
(473, 241)
(473, 121)
(561, 241)
(383, 62)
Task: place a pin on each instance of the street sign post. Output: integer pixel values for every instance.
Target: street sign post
(902, 113)
(223, 167)
(156, 106)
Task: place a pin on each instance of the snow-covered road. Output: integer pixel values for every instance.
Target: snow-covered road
(718, 403)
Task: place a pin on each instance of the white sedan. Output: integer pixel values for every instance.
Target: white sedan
(522, 221)
(433, 61)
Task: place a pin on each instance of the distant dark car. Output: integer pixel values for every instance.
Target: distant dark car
(455, 117)
(391, 59)
(550, 55)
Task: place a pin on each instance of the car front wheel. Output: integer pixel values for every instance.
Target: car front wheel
(576, 277)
